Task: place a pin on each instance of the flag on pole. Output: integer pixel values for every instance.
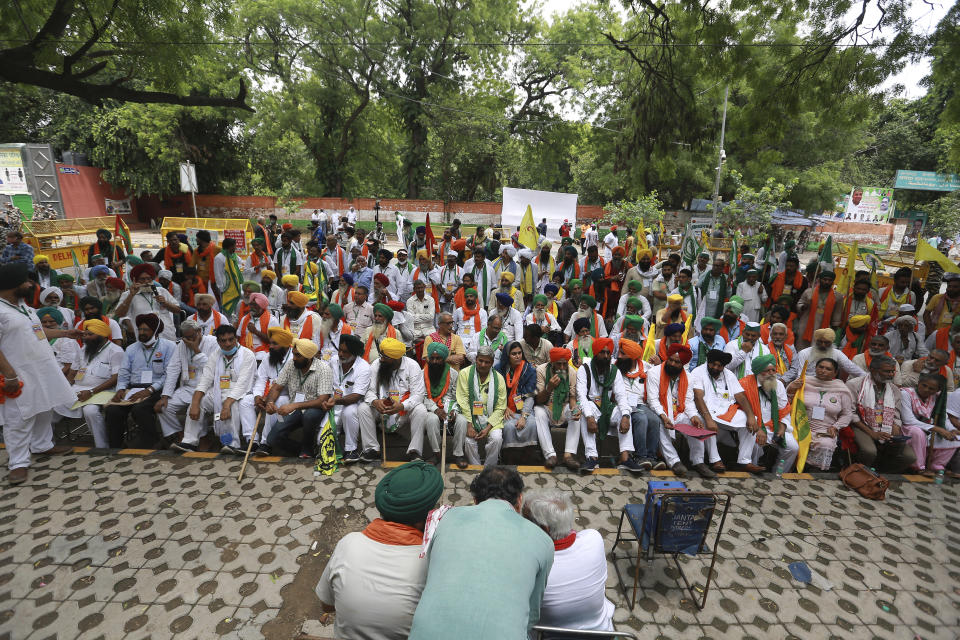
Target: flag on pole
(330, 455)
(123, 232)
(825, 256)
(233, 292)
(734, 259)
(845, 283)
(771, 260)
(801, 422)
(641, 240)
(430, 239)
(648, 346)
(926, 253)
(76, 263)
(686, 328)
(528, 235)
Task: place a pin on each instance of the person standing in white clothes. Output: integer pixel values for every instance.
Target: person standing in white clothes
(33, 383)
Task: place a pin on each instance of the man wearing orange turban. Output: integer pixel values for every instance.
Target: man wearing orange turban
(644, 423)
(557, 406)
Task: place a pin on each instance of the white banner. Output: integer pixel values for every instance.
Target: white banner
(555, 207)
(117, 207)
(13, 179)
(188, 177)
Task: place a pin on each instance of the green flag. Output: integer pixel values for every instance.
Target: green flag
(826, 255)
(771, 259)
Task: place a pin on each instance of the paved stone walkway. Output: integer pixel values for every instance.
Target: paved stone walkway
(154, 546)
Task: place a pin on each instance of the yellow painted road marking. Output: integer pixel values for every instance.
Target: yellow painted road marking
(136, 452)
(917, 478)
(200, 454)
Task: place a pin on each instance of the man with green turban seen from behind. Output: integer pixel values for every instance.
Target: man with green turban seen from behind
(374, 578)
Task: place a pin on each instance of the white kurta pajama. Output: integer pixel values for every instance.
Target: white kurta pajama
(27, 418)
(698, 448)
(185, 366)
(91, 374)
(789, 452)
(266, 374)
(589, 400)
(354, 380)
(222, 379)
(719, 396)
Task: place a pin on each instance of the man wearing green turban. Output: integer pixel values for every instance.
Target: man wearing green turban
(540, 317)
(469, 318)
(441, 396)
(707, 340)
(632, 326)
(384, 311)
(730, 323)
(570, 303)
(331, 329)
(636, 302)
(379, 569)
(768, 400)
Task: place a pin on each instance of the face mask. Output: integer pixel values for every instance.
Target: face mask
(230, 352)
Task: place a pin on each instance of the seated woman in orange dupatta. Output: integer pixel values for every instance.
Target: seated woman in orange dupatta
(374, 578)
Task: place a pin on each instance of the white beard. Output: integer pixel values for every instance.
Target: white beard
(539, 315)
(768, 382)
(325, 326)
(377, 330)
(817, 354)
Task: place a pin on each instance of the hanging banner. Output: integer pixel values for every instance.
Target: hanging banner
(13, 179)
(926, 181)
(117, 207)
(869, 204)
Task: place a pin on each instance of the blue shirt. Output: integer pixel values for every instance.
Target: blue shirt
(139, 360)
(363, 277)
(718, 343)
(20, 252)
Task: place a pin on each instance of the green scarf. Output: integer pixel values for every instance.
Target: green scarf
(701, 352)
(606, 397)
(561, 394)
(717, 311)
(693, 298)
(437, 387)
(742, 369)
(774, 413)
(474, 393)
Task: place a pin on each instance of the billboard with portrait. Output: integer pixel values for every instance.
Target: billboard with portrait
(869, 204)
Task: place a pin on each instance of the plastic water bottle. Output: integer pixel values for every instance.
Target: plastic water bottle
(781, 465)
(938, 479)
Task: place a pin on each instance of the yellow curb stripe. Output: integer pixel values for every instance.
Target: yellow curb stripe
(734, 474)
(80, 449)
(532, 468)
(200, 454)
(798, 476)
(393, 464)
(917, 478)
(662, 473)
(135, 452)
(268, 459)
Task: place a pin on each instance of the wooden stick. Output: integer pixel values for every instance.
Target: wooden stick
(443, 447)
(253, 436)
(383, 430)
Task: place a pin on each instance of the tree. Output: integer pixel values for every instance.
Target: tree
(99, 50)
(754, 208)
(943, 215)
(646, 210)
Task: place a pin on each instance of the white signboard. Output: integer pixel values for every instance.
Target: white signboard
(188, 177)
(192, 236)
(555, 207)
(117, 207)
(13, 179)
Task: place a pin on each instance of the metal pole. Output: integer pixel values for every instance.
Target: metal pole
(720, 157)
(193, 185)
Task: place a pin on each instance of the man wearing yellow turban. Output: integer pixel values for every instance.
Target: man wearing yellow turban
(395, 395)
(299, 320)
(46, 277)
(506, 286)
(93, 372)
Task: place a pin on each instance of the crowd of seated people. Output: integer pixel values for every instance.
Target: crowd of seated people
(502, 348)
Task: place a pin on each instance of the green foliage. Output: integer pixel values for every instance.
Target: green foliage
(943, 215)
(753, 208)
(646, 209)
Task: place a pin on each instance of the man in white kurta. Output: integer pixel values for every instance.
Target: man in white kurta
(754, 296)
(664, 396)
(760, 384)
(189, 359)
(351, 380)
(26, 358)
(267, 373)
(723, 406)
(593, 397)
(226, 378)
(93, 371)
(744, 348)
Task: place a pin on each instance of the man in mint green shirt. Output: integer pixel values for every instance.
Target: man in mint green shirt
(482, 399)
(488, 567)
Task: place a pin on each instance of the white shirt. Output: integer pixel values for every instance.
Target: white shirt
(420, 313)
(355, 380)
(185, 366)
(29, 353)
(653, 397)
(574, 597)
(375, 588)
(753, 299)
(66, 351)
(718, 393)
(360, 317)
(741, 362)
(588, 398)
(252, 273)
(143, 302)
(296, 326)
(99, 369)
(240, 370)
(395, 279)
(468, 327)
(210, 324)
(266, 372)
(408, 377)
(276, 297)
(609, 242)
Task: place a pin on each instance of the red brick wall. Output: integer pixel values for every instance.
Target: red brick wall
(84, 192)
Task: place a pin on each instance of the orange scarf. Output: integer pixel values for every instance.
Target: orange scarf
(390, 333)
(433, 290)
(254, 259)
(512, 384)
(867, 357)
(726, 334)
(781, 365)
(752, 391)
(393, 533)
(345, 330)
(679, 405)
(246, 338)
(446, 385)
(814, 307)
(339, 259)
(168, 257)
(206, 257)
(943, 339)
(266, 239)
(776, 289)
(191, 290)
(341, 300)
(474, 313)
(306, 331)
(765, 330)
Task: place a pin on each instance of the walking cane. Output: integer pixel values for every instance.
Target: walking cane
(253, 436)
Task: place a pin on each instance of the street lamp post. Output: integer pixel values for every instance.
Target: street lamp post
(722, 156)
(376, 210)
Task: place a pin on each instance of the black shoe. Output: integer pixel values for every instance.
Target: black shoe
(183, 447)
(414, 455)
(630, 465)
(679, 470)
(704, 471)
(262, 451)
(253, 448)
(660, 465)
(349, 457)
(461, 462)
(369, 455)
(589, 465)
(231, 450)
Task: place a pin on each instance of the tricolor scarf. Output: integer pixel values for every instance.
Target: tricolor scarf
(812, 317)
(483, 284)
